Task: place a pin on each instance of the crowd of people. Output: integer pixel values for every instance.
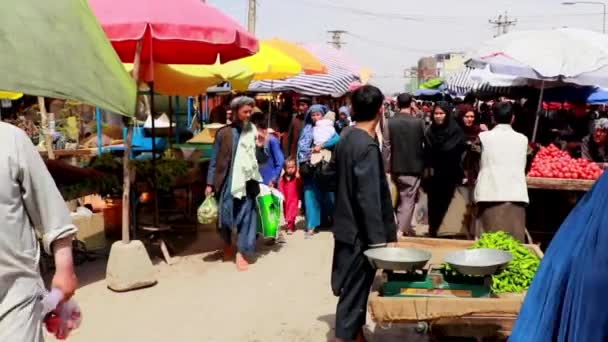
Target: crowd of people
(367, 149)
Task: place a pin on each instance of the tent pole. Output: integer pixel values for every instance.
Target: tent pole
(99, 130)
(44, 122)
(189, 112)
(126, 163)
(538, 109)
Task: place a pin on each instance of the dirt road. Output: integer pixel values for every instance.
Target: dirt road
(284, 297)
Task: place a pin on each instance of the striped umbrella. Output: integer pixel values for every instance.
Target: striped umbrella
(470, 80)
(341, 74)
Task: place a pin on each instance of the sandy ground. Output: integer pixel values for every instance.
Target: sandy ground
(285, 296)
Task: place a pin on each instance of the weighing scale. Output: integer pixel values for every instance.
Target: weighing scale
(435, 282)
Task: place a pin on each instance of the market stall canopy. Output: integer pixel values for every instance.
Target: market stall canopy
(173, 32)
(270, 64)
(311, 65)
(433, 83)
(192, 80)
(9, 95)
(599, 96)
(335, 83)
(565, 54)
(57, 49)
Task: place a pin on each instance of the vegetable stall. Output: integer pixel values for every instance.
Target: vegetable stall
(556, 181)
(443, 302)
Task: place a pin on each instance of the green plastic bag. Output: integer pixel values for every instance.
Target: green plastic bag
(207, 213)
(269, 215)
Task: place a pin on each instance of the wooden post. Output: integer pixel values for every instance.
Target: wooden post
(126, 166)
(44, 122)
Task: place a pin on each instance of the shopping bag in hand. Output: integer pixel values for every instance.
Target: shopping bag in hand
(207, 213)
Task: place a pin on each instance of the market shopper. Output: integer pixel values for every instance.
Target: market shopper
(501, 192)
(343, 119)
(269, 155)
(296, 126)
(469, 121)
(234, 177)
(31, 205)
(290, 186)
(363, 218)
(403, 154)
(446, 145)
(318, 201)
(595, 146)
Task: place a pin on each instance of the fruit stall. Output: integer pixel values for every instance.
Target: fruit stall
(556, 182)
(445, 299)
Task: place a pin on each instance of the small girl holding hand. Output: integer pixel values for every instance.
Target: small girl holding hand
(290, 186)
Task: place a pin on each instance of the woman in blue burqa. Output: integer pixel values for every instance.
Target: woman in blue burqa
(568, 299)
(234, 177)
(317, 201)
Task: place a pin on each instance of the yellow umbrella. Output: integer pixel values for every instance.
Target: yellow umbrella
(270, 64)
(191, 80)
(8, 95)
(310, 63)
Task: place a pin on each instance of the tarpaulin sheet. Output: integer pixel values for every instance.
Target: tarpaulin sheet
(58, 49)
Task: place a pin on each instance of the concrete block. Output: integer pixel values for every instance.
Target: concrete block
(129, 267)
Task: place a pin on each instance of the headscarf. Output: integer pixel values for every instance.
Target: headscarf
(306, 137)
(448, 135)
(345, 110)
(471, 132)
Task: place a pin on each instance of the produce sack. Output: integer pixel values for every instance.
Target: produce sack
(567, 300)
(207, 213)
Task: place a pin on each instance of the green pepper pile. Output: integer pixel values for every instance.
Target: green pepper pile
(518, 275)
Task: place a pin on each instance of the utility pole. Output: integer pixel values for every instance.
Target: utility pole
(502, 24)
(336, 38)
(251, 16)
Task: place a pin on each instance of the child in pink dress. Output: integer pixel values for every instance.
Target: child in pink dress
(290, 186)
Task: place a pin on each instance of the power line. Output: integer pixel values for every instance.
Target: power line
(502, 24)
(396, 47)
(424, 17)
(336, 38)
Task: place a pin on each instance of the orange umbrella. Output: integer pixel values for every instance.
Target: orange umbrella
(310, 63)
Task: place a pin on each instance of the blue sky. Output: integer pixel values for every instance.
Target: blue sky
(391, 35)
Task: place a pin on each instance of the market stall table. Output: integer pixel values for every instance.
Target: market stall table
(440, 316)
(560, 184)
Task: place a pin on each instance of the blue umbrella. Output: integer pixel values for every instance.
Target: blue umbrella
(599, 96)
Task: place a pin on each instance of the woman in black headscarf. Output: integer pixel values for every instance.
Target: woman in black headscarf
(446, 145)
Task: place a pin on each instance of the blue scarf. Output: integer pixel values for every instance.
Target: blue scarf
(306, 137)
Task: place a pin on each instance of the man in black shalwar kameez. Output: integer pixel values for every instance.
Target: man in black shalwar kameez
(363, 217)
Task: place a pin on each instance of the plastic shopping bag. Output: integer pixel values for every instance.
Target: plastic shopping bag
(207, 213)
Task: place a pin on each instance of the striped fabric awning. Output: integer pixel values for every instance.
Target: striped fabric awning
(341, 74)
(461, 83)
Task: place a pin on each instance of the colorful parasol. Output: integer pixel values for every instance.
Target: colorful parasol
(7, 95)
(192, 80)
(310, 63)
(270, 64)
(172, 32)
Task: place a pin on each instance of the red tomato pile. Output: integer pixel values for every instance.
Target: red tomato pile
(551, 162)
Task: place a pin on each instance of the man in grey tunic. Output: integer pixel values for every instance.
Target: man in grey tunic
(30, 205)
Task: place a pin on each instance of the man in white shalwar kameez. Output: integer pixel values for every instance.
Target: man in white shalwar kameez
(30, 203)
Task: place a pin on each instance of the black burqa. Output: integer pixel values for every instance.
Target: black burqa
(446, 146)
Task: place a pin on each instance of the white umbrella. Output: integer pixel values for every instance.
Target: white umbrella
(568, 55)
(562, 55)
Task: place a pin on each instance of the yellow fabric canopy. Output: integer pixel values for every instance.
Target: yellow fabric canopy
(7, 95)
(192, 80)
(310, 63)
(270, 64)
